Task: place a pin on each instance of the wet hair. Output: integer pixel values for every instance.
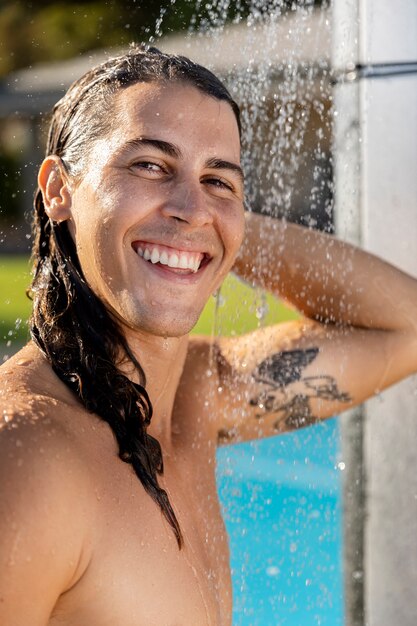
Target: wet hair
(70, 324)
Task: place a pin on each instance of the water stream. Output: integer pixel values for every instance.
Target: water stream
(281, 497)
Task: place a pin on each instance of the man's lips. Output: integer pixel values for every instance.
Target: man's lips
(188, 261)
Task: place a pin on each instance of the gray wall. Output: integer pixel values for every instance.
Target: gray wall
(376, 171)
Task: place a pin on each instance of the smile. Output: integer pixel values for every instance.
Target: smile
(187, 261)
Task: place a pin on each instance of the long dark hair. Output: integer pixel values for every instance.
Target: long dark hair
(69, 323)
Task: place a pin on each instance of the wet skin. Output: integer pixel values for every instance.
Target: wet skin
(114, 560)
(171, 193)
(82, 543)
(107, 555)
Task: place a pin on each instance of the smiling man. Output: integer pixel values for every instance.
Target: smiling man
(112, 413)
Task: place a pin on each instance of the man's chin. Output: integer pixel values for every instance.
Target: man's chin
(167, 325)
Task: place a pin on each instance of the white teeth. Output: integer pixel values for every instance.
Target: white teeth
(183, 262)
(173, 261)
(163, 259)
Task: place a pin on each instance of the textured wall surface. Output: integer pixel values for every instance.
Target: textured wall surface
(389, 157)
(376, 193)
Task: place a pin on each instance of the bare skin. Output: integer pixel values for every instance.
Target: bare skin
(107, 552)
(82, 543)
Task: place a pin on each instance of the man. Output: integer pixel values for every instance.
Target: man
(112, 413)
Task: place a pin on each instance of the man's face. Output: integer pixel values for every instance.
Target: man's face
(163, 184)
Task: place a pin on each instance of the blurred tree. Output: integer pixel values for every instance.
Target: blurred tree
(10, 188)
(32, 32)
(38, 31)
(44, 30)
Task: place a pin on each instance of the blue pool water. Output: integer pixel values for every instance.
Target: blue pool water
(281, 500)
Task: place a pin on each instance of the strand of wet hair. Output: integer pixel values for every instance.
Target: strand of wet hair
(78, 337)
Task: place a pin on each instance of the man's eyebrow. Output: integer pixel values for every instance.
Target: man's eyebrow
(164, 146)
(173, 151)
(220, 164)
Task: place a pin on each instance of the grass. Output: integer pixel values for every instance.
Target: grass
(14, 305)
(239, 308)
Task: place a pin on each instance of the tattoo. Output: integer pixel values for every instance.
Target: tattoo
(284, 368)
(280, 370)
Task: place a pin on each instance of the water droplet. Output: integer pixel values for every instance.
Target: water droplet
(221, 301)
(272, 570)
(24, 362)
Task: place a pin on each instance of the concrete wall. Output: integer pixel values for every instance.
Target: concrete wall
(385, 223)
(348, 226)
(389, 157)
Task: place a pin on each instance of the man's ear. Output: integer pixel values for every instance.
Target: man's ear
(53, 183)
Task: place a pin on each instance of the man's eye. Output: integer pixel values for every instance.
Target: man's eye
(148, 166)
(219, 182)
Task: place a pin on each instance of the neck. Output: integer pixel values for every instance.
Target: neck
(162, 360)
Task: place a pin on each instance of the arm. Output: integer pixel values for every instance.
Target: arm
(326, 279)
(41, 533)
(359, 334)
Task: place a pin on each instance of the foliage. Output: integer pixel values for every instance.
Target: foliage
(9, 201)
(33, 32)
(59, 30)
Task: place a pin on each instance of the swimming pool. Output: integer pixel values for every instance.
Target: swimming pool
(281, 500)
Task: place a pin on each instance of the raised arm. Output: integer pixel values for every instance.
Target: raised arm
(326, 279)
(358, 336)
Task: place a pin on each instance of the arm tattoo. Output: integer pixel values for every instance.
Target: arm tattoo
(284, 368)
(280, 370)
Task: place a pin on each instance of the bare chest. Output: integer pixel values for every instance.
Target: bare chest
(137, 575)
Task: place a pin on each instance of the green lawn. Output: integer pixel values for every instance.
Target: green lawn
(14, 304)
(241, 309)
(238, 306)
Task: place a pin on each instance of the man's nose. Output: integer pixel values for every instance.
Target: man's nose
(189, 204)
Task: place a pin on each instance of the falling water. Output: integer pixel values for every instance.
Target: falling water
(274, 57)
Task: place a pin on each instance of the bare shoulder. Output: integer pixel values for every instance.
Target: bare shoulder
(45, 510)
(37, 414)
